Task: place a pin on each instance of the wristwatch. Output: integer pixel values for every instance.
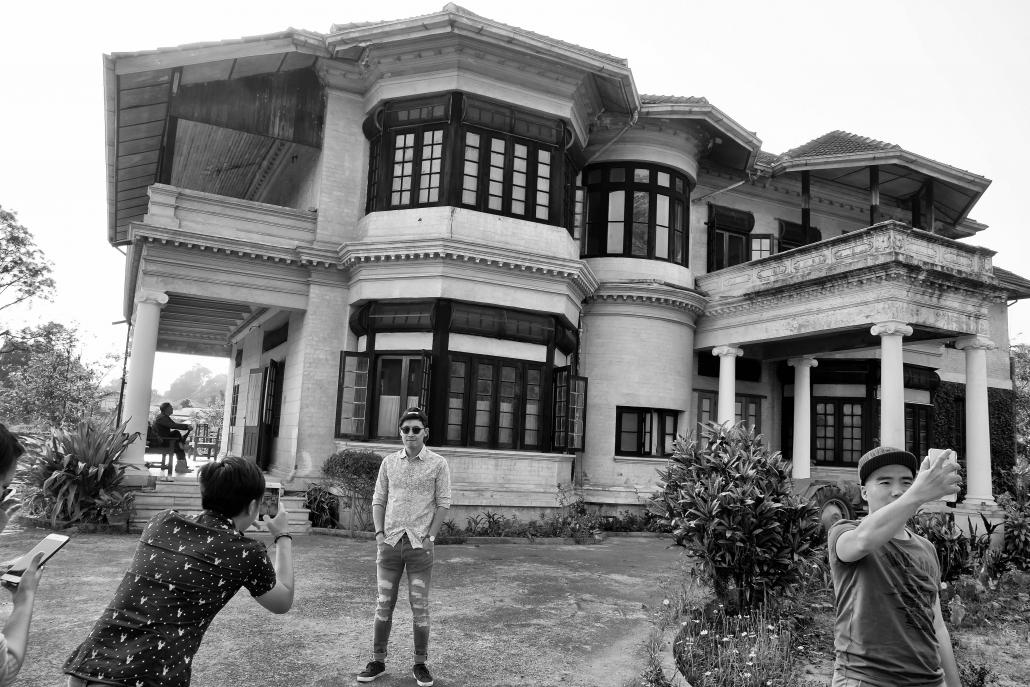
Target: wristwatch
(432, 538)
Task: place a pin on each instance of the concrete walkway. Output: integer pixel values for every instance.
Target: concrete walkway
(503, 615)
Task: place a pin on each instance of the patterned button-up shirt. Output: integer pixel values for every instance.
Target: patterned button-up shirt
(184, 571)
(411, 489)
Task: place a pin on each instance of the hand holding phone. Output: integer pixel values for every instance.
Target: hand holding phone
(952, 465)
(33, 560)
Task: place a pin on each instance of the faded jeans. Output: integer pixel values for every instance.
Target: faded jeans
(391, 562)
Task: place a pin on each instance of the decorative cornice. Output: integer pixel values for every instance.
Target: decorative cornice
(804, 362)
(650, 291)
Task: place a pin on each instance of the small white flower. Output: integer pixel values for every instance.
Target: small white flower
(703, 632)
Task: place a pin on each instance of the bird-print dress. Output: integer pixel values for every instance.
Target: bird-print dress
(184, 571)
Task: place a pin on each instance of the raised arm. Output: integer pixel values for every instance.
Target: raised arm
(937, 478)
(279, 599)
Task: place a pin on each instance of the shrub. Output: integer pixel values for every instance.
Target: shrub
(728, 502)
(323, 506)
(353, 470)
(76, 475)
(1017, 516)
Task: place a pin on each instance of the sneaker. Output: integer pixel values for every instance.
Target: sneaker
(421, 675)
(373, 670)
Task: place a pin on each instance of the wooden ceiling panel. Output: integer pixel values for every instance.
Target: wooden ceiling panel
(131, 133)
(139, 145)
(143, 79)
(142, 115)
(208, 71)
(138, 97)
(217, 160)
(259, 64)
(297, 60)
(137, 172)
(145, 158)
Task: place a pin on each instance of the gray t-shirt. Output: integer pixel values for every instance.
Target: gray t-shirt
(884, 633)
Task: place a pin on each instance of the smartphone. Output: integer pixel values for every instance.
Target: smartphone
(50, 545)
(270, 501)
(932, 455)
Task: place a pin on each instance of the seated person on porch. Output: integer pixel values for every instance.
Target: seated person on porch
(185, 569)
(167, 428)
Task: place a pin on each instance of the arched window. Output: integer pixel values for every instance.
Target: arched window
(636, 210)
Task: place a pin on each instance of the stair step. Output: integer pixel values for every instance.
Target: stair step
(185, 498)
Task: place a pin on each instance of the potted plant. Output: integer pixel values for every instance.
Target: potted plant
(116, 507)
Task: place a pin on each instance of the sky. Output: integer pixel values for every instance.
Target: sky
(944, 79)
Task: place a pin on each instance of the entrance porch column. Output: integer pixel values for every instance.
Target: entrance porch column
(141, 370)
(892, 382)
(979, 491)
(727, 411)
(801, 453)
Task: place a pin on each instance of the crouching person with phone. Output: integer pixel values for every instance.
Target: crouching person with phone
(184, 571)
(14, 640)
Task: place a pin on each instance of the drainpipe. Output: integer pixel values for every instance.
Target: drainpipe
(717, 191)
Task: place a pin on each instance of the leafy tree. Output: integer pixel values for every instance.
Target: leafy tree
(44, 378)
(185, 403)
(24, 271)
(185, 385)
(1021, 391)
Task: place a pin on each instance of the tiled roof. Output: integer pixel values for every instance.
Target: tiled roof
(458, 9)
(1018, 287)
(672, 100)
(768, 159)
(838, 143)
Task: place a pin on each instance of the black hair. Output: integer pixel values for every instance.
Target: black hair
(414, 414)
(166, 404)
(228, 487)
(10, 449)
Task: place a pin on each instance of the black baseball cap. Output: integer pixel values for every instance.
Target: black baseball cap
(885, 455)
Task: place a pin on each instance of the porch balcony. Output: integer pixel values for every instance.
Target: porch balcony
(184, 216)
(826, 295)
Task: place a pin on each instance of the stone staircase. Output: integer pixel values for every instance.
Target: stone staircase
(183, 495)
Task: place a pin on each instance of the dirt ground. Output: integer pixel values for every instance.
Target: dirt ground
(504, 615)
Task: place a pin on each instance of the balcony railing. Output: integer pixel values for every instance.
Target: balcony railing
(183, 213)
(888, 242)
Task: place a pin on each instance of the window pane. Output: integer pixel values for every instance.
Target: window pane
(506, 399)
(484, 403)
(616, 226)
(533, 410)
(495, 200)
(642, 176)
(678, 235)
(353, 396)
(641, 209)
(432, 157)
(661, 228)
(470, 173)
(630, 435)
(735, 249)
(663, 179)
(616, 174)
(404, 152)
(455, 401)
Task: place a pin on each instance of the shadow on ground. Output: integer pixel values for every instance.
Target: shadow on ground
(503, 615)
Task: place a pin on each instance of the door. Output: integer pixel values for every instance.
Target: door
(252, 414)
(271, 405)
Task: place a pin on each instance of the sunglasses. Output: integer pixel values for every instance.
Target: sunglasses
(411, 430)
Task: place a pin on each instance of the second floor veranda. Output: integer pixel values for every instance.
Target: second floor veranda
(826, 295)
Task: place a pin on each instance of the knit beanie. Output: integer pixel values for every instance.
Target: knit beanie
(885, 455)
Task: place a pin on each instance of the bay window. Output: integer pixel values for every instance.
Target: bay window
(645, 431)
(636, 210)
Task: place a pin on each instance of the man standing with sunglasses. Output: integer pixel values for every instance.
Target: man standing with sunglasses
(412, 495)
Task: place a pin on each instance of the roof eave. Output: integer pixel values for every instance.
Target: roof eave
(111, 141)
(715, 117)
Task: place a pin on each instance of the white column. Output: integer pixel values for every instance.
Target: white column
(141, 369)
(978, 439)
(727, 382)
(801, 453)
(892, 382)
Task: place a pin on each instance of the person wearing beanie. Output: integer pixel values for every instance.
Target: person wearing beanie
(889, 631)
(411, 499)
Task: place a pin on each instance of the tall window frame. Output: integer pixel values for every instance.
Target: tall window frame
(636, 210)
(729, 231)
(495, 403)
(919, 420)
